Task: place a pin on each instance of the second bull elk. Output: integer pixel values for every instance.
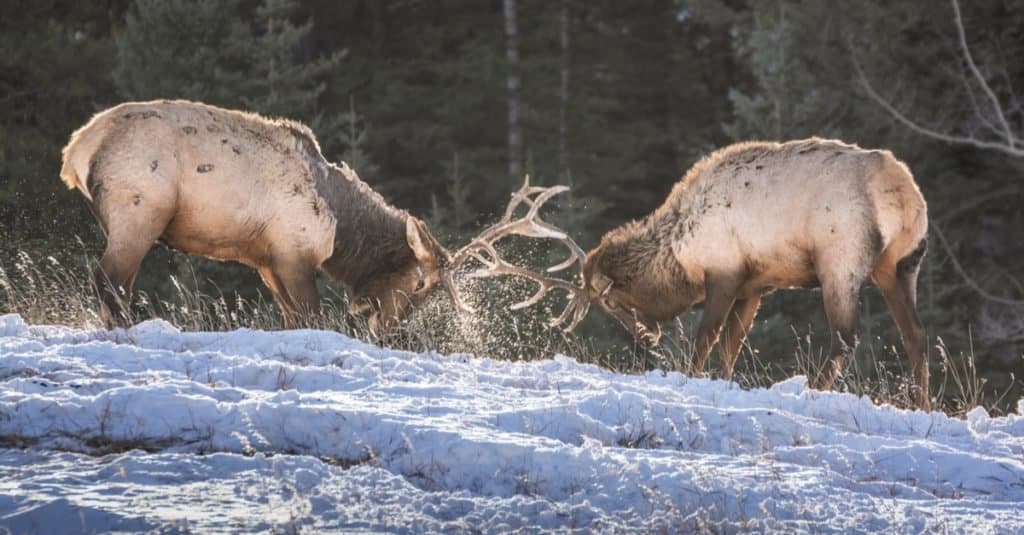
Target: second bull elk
(758, 216)
(231, 185)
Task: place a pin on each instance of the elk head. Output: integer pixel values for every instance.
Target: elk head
(390, 296)
(483, 250)
(616, 296)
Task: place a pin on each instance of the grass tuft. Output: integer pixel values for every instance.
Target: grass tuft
(49, 291)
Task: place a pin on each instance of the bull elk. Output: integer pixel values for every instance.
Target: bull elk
(231, 185)
(758, 216)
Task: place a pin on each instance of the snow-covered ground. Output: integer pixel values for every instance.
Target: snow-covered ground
(154, 429)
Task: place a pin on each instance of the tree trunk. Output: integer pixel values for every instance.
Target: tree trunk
(563, 124)
(515, 97)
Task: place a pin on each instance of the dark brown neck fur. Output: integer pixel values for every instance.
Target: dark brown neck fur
(638, 258)
(370, 236)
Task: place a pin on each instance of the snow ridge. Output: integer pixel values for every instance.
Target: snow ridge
(152, 428)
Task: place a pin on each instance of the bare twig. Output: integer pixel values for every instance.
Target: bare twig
(1006, 140)
(965, 206)
(996, 105)
(966, 277)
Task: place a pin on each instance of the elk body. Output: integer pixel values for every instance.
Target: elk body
(231, 185)
(759, 216)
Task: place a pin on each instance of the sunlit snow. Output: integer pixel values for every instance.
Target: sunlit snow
(154, 429)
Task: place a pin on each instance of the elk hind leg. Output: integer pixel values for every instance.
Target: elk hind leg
(897, 280)
(129, 237)
(841, 269)
(840, 291)
(841, 309)
(114, 278)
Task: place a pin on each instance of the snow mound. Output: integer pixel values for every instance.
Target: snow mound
(151, 428)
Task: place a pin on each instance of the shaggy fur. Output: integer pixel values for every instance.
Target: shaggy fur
(232, 185)
(757, 216)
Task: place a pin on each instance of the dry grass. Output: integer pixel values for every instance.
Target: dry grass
(47, 291)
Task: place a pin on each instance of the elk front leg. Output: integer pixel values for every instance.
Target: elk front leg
(299, 284)
(276, 287)
(736, 328)
(720, 296)
(294, 291)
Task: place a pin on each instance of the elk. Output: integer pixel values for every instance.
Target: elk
(759, 216)
(232, 185)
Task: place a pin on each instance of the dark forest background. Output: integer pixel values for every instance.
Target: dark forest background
(443, 105)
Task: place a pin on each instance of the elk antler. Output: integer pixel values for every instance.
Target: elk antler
(482, 248)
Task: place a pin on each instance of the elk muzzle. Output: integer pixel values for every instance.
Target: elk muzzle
(646, 333)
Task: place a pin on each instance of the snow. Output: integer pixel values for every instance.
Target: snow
(151, 429)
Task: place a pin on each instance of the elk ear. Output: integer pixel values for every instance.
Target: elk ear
(419, 239)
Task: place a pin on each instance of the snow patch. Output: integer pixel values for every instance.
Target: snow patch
(151, 428)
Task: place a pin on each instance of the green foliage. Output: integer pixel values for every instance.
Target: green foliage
(412, 94)
(175, 49)
(238, 54)
(54, 66)
(788, 102)
(353, 134)
(233, 53)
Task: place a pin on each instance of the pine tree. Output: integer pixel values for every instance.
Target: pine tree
(786, 100)
(174, 49)
(230, 53)
(55, 60)
(353, 134)
(237, 54)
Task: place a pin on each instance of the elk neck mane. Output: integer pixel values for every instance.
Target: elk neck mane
(645, 247)
(370, 237)
(634, 254)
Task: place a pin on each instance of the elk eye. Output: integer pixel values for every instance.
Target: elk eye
(420, 285)
(609, 303)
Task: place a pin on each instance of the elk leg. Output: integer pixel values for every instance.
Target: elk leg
(840, 294)
(299, 285)
(898, 284)
(736, 328)
(721, 294)
(114, 278)
(276, 287)
(131, 233)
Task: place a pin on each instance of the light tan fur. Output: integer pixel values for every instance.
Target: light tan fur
(231, 185)
(757, 216)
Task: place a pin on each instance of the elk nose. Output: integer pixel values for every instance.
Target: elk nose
(358, 307)
(373, 323)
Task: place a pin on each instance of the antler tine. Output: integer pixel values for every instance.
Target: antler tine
(578, 307)
(576, 253)
(579, 300)
(483, 249)
(522, 195)
(529, 225)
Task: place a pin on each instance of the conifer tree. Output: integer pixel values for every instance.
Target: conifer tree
(233, 53)
(237, 54)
